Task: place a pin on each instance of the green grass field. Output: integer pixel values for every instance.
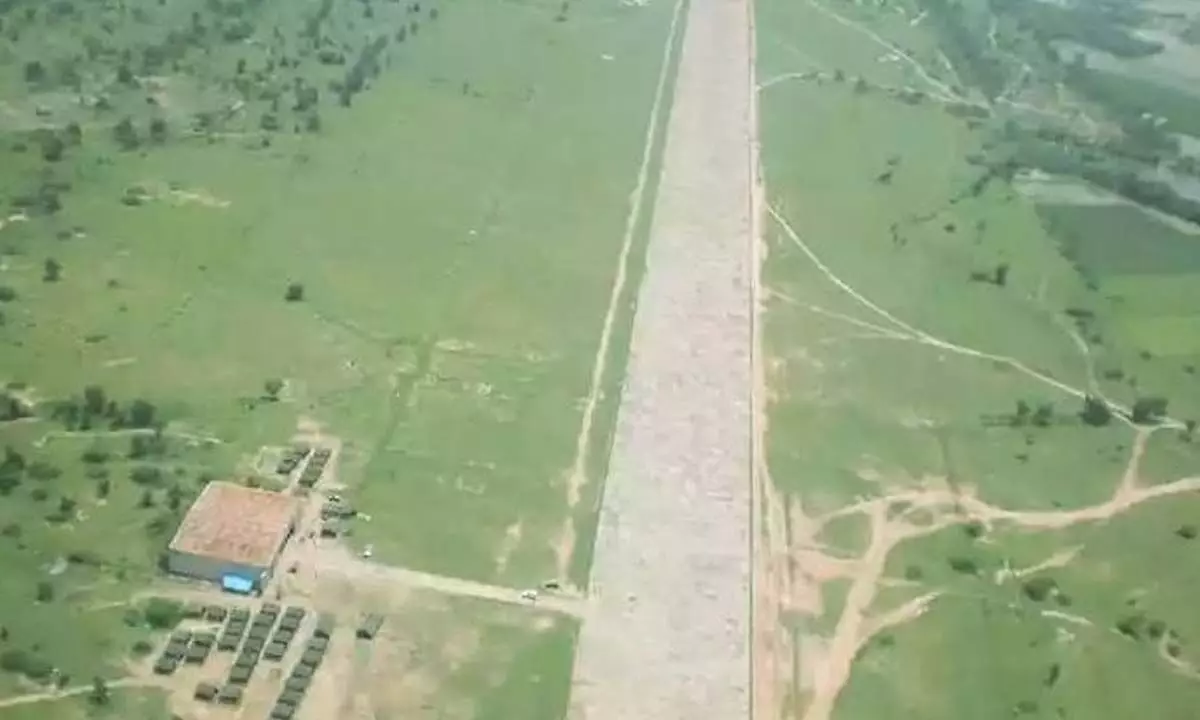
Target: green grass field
(450, 185)
(904, 375)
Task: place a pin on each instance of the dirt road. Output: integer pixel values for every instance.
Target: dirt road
(667, 630)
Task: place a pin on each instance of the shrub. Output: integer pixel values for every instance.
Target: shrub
(963, 565)
(294, 293)
(146, 475)
(1039, 589)
(1095, 412)
(1149, 410)
(42, 470)
(45, 592)
(25, 663)
(162, 613)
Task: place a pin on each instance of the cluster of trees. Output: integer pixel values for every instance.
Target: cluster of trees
(85, 411)
(1100, 167)
(1101, 26)
(966, 50)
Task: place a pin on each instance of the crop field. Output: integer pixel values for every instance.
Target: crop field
(954, 535)
(395, 225)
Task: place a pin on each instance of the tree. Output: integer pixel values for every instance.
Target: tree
(1000, 275)
(147, 499)
(1021, 416)
(146, 475)
(53, 147)
(1044, 415)
(103, 486)
(74, 133)
(126, 135)
(99, 694)
(7, 294)
(141, 414)
(272, 388)
(45, 592)
(158, 131)
(174, 497)
(35, 72)
(1189, 427)
(294, 293)
(1095, 412)
(1149, 410)
(94, 399)
(162, 613)
(51, 270)
(125, 75)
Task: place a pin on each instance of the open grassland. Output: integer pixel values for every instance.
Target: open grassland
(415, 221)
(930, 338)
(397, 224)
(125, 704)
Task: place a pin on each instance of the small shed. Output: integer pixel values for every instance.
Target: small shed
(240, 675)
(283, 635)
(230, 695)
(215, 613)
(228, 643)
(294, 611)
(289, 623)
(270, 608)
(206, 692)
(302, 671)
(204, 638)
(318, 643)
(197, 654)
(297, 684)
(253, 645)
(193, 611)
(291, 697)
(263, 620)
(239, 614)
(246, 659)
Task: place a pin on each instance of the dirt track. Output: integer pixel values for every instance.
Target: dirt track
(667, 630)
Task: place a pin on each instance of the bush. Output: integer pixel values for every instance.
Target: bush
(963, 565)
(141, 414)
(42, 470)
(162, 613)
(1149, 410)
(146, 475)
(45, 592)
(1039, 589)
(25, 663)
(1095, 412)
(294, 293)
(1131, 626)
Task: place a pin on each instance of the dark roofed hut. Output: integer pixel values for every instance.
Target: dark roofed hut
(240, 674)
(231, 695)
(206, 692)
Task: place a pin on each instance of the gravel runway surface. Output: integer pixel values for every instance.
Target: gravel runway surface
(666, 634)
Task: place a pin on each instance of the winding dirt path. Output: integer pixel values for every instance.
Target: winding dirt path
(827, 661)
(73, 691)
